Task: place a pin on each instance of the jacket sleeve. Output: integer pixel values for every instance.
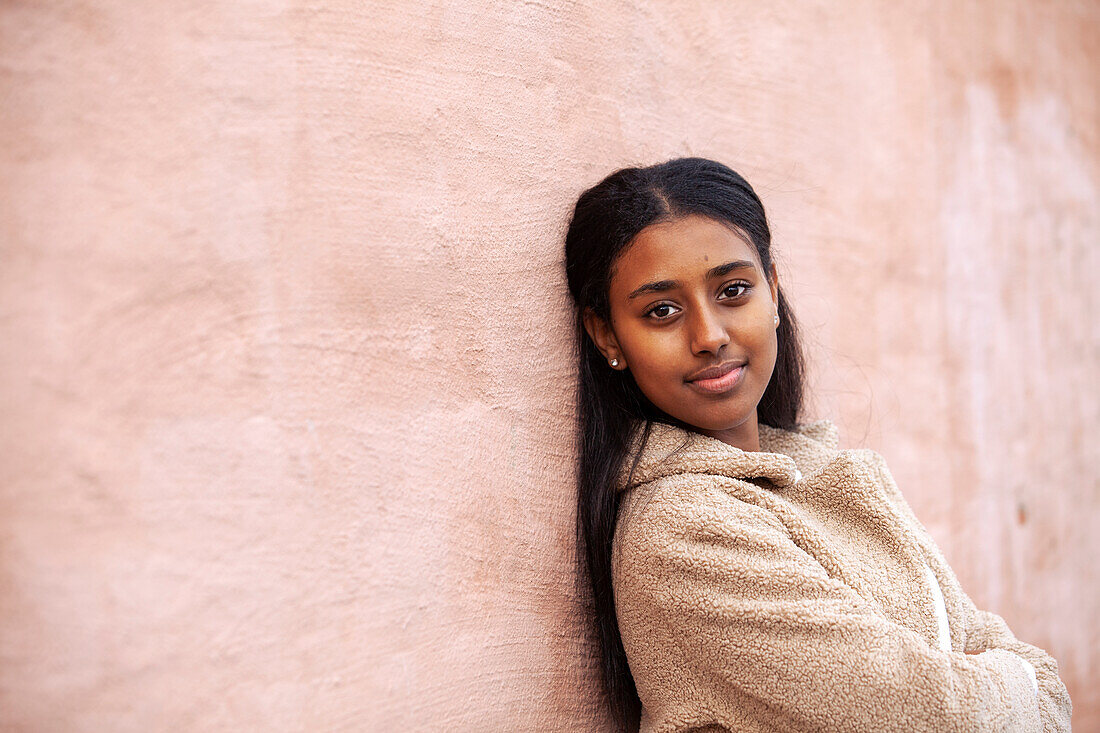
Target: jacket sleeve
(986, 630)
(724, 611)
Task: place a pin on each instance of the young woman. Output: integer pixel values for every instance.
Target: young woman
(747, 574)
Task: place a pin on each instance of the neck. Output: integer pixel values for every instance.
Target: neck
(745, 435)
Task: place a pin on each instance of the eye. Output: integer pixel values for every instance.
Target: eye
(660, 312)
(744, 286)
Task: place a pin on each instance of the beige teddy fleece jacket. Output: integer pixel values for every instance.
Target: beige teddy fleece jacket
(793, 589)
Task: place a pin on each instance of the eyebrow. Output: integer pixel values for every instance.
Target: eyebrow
(660, 286)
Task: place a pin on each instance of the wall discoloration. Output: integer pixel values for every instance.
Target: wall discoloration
(287, 394)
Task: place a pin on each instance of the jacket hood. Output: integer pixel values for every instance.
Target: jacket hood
(783, 457)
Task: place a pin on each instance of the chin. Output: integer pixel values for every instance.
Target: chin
(715, 422)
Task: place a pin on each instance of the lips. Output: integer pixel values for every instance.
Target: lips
(721, 378)
(715, 371)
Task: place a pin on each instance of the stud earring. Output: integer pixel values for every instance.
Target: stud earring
(614, 362)
(777, 319)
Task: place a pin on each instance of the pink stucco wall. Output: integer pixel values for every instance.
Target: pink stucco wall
(286, 389)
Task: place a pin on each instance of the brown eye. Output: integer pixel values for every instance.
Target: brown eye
(659, 312)
(732, 286)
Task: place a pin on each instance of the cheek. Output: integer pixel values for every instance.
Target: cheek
(767, 349)
(652, 362)
(765, 336)
(653, 359)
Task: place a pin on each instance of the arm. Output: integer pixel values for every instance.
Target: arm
(724, 603)
(984, 630)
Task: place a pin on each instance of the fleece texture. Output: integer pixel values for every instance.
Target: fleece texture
(793, 589)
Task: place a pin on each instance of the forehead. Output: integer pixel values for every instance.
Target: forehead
(678, 249)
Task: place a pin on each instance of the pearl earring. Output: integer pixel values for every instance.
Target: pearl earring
(777, 319)
(614, 362)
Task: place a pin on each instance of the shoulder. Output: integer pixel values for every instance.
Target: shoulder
(875, 463)
(672, 513)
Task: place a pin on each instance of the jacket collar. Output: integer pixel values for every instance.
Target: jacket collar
(673, 450)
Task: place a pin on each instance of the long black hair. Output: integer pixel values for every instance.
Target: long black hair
(605, 221)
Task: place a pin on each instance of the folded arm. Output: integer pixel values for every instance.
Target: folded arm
(755, 626)
(985, 630)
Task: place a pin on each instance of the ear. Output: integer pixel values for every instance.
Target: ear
(773, 283)
(603, 336)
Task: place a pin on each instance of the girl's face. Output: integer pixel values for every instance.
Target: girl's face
(689, 297)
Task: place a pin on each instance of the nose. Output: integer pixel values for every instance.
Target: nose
(708, 332)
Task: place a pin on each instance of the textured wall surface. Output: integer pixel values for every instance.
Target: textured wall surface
(286, 386)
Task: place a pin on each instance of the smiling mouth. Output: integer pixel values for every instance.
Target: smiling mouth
(721, 383)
